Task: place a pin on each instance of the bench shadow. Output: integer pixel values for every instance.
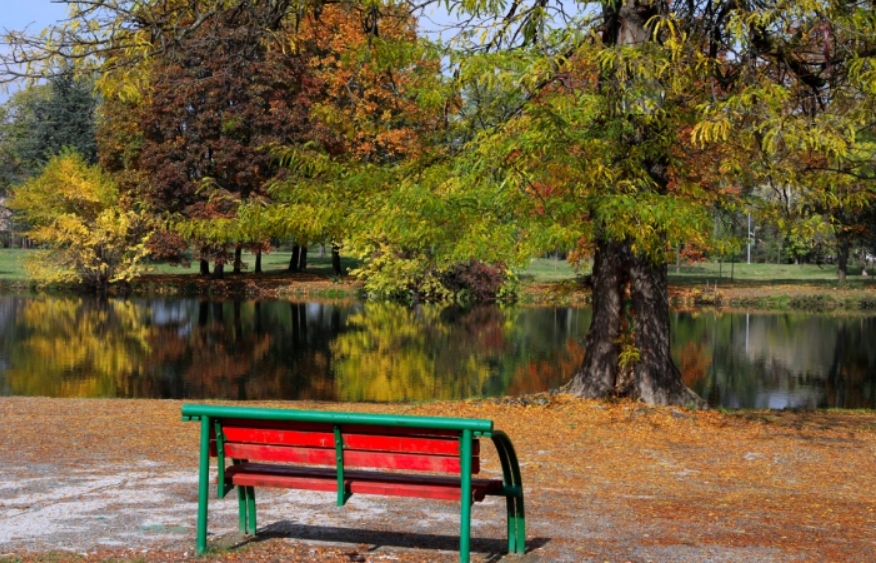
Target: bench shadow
(495, 549)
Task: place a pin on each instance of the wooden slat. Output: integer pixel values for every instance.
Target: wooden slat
(352, 458)
(347, 428)
(357, 482)
(353, 441)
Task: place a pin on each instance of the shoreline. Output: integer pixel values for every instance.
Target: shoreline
(729, 297)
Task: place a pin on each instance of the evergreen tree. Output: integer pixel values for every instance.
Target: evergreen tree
(64, 118)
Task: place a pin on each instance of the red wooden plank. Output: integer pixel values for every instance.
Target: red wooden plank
(352, 458)
(350, 428)
(399, 444)
(276, 436)
(398, 431)
(357, 482)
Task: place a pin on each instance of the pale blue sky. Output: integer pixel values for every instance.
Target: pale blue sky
(36, 15)
(16, 14)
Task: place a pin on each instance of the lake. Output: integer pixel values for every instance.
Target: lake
(350, 351)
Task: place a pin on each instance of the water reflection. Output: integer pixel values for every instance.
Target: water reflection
(189, 348)
(785, 360)
(80, 347)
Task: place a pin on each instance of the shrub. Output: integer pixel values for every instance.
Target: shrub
(475, 281)
(74, 214)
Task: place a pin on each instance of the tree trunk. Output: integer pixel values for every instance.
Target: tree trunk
(258, 262)
(599, 370)
(205, 267)
(336, 260)
(302, 260)
(218, 270)
(293, 261)
(657, 380)
(652, 377)
(842, 258)
(238, 259)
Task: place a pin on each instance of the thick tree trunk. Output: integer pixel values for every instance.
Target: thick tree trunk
(657, 380)
(302, 260)
(238, 259)
(842, 258)
(336, 260)
(205, 267)
(258, 262)
(653, 378)
(218, 270)
(293, 261)
(599, 371)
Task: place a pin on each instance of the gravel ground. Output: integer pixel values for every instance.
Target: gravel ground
(79, 489)
(141, 507)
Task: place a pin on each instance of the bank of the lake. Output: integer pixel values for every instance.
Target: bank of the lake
(98, 480)
(807, 287)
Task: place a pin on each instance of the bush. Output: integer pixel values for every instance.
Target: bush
(475, 281)
(74, 214)
(416, 276)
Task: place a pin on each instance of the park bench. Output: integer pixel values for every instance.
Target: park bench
(411, 456)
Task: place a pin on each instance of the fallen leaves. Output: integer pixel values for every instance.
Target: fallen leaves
(604, 481)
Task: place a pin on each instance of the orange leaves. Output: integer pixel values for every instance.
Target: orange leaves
(368, 86)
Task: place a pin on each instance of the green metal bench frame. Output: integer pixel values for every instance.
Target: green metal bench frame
(468, 429)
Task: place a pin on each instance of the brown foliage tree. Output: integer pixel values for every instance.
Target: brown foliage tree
(228, 90)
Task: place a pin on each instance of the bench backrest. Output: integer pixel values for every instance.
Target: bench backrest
(364, 446)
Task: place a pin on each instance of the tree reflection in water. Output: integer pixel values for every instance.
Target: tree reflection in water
(248, 350)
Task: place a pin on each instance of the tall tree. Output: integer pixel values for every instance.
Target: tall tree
(64, 118)
(226, 92)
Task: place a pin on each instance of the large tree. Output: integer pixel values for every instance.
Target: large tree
(228, 90)
(641, 116)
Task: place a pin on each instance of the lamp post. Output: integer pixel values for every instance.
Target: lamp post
(748, 261)
(751, 234)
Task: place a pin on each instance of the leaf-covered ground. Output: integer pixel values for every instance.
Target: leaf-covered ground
(604, 482)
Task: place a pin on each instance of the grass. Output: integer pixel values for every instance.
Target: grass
(273, 263)
(12, 267)
(547, 270)
(771, 286)
(762, 273)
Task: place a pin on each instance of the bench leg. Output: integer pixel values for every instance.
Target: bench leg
(203, 485)
(251, 510)
(241, 509)
(465, 499)
(519, 524)
(512, 524)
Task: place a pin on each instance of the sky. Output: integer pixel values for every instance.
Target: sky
(16, 14)
(35, 15)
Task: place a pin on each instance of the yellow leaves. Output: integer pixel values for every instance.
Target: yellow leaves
(74, 211)
(710, 131)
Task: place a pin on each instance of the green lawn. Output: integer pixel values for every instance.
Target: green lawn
(544, 270)
(12, 264)
(763, 273)
(547, 270)
(274, 262)
(540, 270)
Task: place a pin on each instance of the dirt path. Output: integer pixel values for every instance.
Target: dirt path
(114, 478)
